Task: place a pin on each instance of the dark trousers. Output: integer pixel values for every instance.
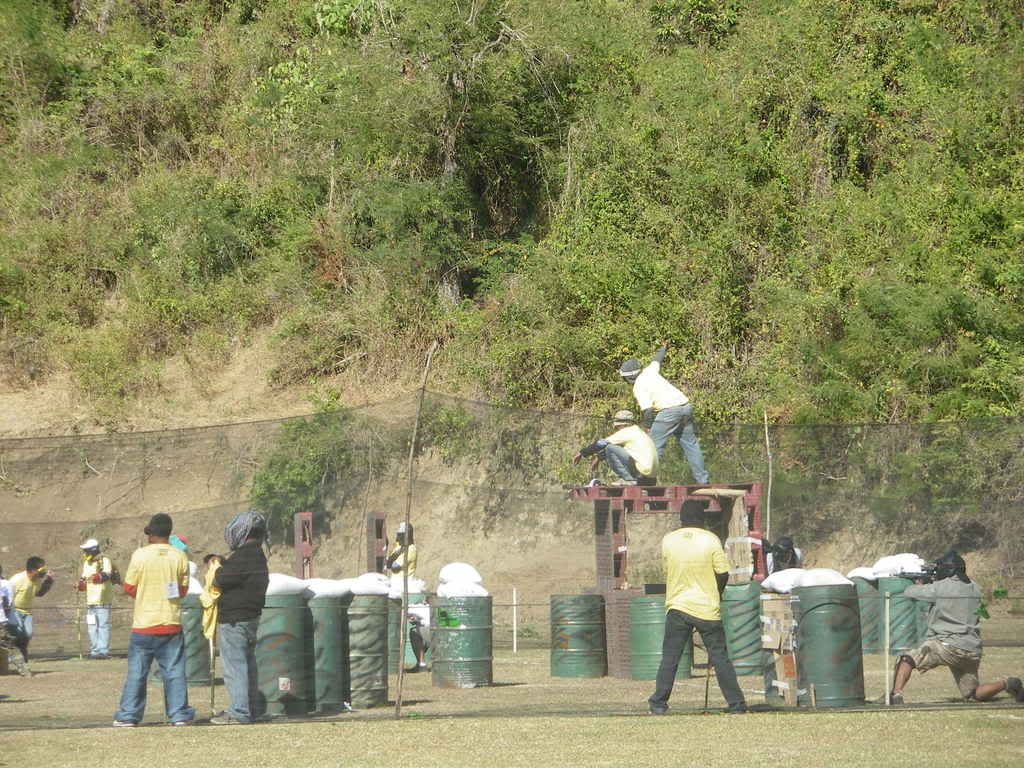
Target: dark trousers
(679, 628)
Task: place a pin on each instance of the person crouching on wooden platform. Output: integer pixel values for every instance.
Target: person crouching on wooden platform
(628, 451)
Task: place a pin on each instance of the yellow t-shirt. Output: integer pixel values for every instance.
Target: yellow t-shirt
(400, 560)
(209, 599)
(692, 557)
(639, 446)
(24, 590)
(159, 573)
(97, 594)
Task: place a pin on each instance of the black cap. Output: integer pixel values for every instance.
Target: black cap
(160, 525)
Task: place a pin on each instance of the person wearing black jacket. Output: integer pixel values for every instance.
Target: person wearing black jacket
(242, 580)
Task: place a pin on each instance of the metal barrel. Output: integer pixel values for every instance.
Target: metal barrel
(646, 633)
(368, 650)
(461, 635)
(577, 636)
(281, 657)
(197, 647)
(331, 683)
(394, 628)
(870, 605)
(902, 615)
(741, 619)
(830, 665)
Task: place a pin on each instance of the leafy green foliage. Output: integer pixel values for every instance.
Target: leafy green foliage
(819, 207)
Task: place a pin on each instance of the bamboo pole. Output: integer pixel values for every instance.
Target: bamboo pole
(403, 617)
(885, 652)
(768, 495)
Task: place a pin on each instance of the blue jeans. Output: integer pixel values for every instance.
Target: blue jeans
(678, 421)
(679, 628)
(620, 462)
(169, 652)
(98, 623)
(237, 645)
(21, 628)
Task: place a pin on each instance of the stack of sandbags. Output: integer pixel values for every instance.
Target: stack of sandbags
(783, 582)
(327, 588)
(897, 565)
(371, 584)
(283, 584)
(417, 586)
(460, 580)
(195, 586)
(862, 572)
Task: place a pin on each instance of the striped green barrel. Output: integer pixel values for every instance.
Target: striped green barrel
(329, 634)
(461, 636)
(903, 616)
(282, 675)
(828, 640)
(368, 650)
(646, 632)
(577, 636)
(197, 647)
(394, 638)
(741, 619)
(870, 605)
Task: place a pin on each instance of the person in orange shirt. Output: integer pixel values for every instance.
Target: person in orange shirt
(696, 572)
(157, 577)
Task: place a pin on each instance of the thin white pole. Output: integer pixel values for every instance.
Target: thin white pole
(515, 622)
(885, 651)
(768, 495)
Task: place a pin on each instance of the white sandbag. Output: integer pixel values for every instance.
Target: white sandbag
(461, 589)
(417, 586)
(195, 586)
(371, 584)
(863, 572)
(327, 588)
(461, 572)
(894, 565)
(283, 584)
(823, 577)
(783, 582)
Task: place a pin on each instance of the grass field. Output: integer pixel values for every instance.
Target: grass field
(61, 717)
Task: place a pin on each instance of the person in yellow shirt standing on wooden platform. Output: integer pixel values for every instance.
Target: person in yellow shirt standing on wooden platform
(629, 451)
(157, 577)
(97, 581)
(34, 581)
(696, 572)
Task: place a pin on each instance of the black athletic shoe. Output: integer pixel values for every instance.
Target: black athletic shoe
(657, 709)
(1015, 688)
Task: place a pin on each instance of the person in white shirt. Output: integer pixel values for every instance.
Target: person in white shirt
(629, 451)
(666, 411)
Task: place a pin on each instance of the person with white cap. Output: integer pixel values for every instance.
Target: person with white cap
(629, 451)
(666, 411)
(97, 582)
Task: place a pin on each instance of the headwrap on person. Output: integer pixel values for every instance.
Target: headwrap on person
(248, 525)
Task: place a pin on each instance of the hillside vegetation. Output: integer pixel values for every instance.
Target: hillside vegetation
(817, 203)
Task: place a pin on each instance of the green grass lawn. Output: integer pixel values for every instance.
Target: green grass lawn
(61, 717)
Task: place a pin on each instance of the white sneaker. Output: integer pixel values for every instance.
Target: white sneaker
(123, 724)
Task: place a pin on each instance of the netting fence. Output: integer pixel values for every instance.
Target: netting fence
(490, 487)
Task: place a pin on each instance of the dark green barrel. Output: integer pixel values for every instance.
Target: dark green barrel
(394, 627)
(646, 632)
(461, 636)
(197, 647)
(368, 650)
(577, 636)
(329, 634)
(902, 615)
(870, 604)
(741, 618)
(829, 646)
(281, 657)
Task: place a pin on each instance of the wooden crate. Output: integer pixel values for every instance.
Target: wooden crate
(778, 628)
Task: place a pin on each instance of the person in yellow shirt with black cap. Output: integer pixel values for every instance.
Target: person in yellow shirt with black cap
(157, 577)
(97, 581)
